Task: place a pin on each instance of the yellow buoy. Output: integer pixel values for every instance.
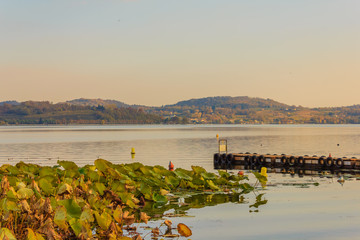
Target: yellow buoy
(264, 171)
(132, 150)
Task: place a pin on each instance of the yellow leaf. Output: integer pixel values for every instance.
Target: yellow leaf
(184, 230)
(163, 192)
(168, 223)
(118, 214)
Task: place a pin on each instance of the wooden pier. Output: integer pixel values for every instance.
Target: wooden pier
(254, 160)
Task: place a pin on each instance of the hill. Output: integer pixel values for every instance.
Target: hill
(31, 112)
(97, 102)
(249, 110)
(9, 102)
(211, 110)
(231, 102)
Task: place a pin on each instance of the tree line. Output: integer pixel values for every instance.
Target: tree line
(218, 110)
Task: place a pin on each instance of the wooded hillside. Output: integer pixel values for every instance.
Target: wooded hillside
(211, 110)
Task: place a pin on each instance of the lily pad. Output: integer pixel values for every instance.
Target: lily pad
(104, 220)
(60, 217)
(67, 165)
(198, 170)
(75, 226)
(31, 235)
(72, 208)
(46, 186)
(25, 193)
(6, 233)
(184, 230)
(65, 189)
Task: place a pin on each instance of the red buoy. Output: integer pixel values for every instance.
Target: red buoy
(171, 166)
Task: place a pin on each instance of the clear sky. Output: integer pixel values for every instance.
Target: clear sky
(157, 52)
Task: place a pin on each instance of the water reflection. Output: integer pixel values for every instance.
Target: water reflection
(293, 171)
(182, 202)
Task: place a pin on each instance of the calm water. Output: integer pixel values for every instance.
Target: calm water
(327, 211)
(183, 145)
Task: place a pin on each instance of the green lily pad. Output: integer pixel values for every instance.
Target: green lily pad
(93, 176)
(31, 235)
(46, 186)
(134, 166)
(87, 216)
(102, 164)
(25, 193)
(212, 185)
(60, 217)
(65, 188)
(181, 173)
(104, 220)
(159, 198)
(173, 181)
(9, 205)
(47, 171)
(208, 176)
(75, 226)
(224, 174)
(6, 233)
(198, 170)
(146, 191)
(198, 180)
(13, 170)
(67, 165)
(72, 208)
(100, 187)
(11, 194)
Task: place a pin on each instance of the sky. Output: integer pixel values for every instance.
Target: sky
(158, 52)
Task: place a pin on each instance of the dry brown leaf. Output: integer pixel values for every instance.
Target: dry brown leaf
(25, 206)
(144, 217)
(128, 220)
(47, 206)
(39, 204)
(135, 200)
(137, 237)
(155, 232)
(184, 230)
(171, 235)
(5, 185)
(48, 229)
(35, 186)
(129, 187)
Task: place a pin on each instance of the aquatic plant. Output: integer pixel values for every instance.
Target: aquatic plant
(101, 200)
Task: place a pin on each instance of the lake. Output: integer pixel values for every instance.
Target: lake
(294, 209)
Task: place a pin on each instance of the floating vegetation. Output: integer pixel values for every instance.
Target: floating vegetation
(105, 200)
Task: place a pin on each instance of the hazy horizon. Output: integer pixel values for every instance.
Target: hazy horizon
(159, 52)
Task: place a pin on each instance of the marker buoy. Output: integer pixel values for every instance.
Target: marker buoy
(264, 171)
(132, 150)
(171, 166)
